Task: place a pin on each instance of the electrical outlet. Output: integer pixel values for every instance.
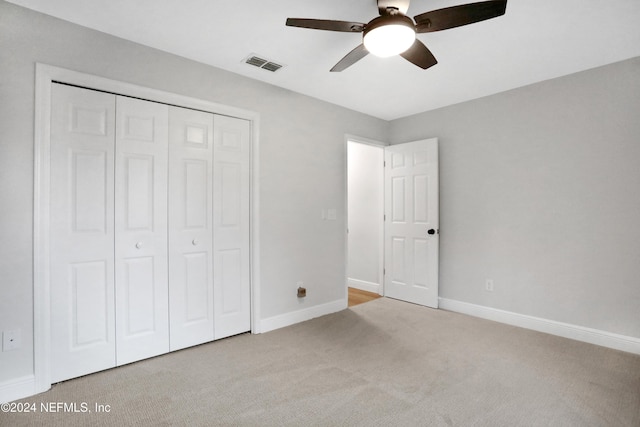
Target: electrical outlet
(11, 340)
(489, 285)
(302, 291)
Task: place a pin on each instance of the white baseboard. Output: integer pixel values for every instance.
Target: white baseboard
(17, 388)
(287, 319)
(566, 330)
(363, 285)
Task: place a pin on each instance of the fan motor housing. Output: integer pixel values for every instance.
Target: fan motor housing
(383, 20)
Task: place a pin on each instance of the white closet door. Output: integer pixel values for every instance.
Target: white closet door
(142, 311)
(81, 227)
(231, 192)
(190, 227)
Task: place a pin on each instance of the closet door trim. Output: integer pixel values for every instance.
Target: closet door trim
(46, 75)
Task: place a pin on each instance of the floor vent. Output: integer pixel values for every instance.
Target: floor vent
(265, 64)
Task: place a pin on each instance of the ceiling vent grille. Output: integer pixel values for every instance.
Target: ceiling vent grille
(265, 64)
(272, 66)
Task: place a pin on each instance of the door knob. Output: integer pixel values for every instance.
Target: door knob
(431, 231)
(194, 242)
(138, 245)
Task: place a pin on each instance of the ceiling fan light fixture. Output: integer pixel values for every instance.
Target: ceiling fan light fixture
(389, 35)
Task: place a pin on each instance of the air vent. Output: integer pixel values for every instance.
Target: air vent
(265, 64)
(255, 61)
(272, 66)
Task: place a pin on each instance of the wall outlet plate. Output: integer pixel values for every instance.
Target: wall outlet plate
(489, 285)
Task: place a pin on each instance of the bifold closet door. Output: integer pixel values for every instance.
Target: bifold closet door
(82, 232)
(190, 227)
(231, 219)
(149, 229)
(142, 302)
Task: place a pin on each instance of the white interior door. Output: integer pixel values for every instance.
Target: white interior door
(82, 233)
(231, 192)
(411, 222)
(190, 227)
(142, 302)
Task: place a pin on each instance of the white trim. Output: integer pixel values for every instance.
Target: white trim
(287, 319)
(254, 233)
(367, 141)
(41, 170)
(45, 75)
(566, 330)
(17, 388)
(363, 285)
(345, 231)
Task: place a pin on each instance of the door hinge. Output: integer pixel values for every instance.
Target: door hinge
(384, 163)
(384, 271)
(384, 217)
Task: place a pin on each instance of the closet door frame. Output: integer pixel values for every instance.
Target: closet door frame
(46, 75)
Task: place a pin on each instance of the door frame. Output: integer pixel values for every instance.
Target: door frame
(379, 144)
(46, 75)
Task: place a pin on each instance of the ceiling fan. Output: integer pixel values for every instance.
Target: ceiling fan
(394, 33)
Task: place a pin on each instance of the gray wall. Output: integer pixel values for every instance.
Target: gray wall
(302, 162)
(540, 191)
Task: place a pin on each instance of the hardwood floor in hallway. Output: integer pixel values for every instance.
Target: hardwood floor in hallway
(357, 296)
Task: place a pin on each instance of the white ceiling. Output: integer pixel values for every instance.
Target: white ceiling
(535, 40)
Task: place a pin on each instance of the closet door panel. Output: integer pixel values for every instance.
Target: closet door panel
(82, 233)
(150, 217)
(190, 227)
(232, 156)
(142, 310)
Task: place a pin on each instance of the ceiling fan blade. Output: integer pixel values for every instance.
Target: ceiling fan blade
(419, 55)
(457, 16)
(401, 5)
(326, 24)
(351, 58)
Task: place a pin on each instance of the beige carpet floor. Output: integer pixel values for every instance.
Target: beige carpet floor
(383, 363)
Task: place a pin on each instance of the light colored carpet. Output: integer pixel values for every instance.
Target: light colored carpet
(383, 363)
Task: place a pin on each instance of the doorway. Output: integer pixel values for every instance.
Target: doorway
(393, 219)
(365, 207)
